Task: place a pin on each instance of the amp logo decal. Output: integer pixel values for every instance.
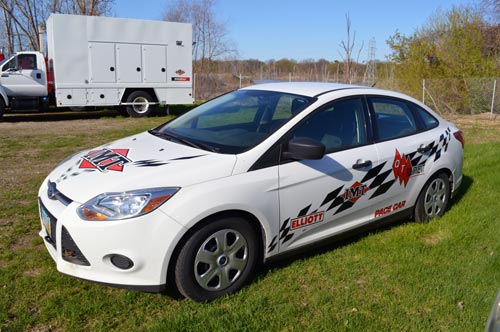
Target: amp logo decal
(105, 160)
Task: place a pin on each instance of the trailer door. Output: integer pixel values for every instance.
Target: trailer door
(154, 62)
(102, 63)
(128, 59)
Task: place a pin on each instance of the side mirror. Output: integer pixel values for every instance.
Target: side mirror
(304, 148)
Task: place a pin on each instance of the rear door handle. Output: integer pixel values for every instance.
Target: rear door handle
(424, 148)
(360, 163)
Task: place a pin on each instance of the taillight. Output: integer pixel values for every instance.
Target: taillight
(460, 137)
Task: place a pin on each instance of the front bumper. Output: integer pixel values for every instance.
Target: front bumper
(132, 253)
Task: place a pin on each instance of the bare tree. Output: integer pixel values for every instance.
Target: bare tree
(22, 19)
(348, 50)
(209, 35)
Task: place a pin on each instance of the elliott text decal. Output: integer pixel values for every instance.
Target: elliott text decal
(307, 220)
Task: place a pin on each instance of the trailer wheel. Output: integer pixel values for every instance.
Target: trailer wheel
(142, 106)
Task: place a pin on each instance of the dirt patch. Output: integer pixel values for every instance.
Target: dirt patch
(474, 120)
(33, 272)
(434, 239)
(93, 126)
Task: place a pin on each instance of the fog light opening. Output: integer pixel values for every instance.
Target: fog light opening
(121, 262)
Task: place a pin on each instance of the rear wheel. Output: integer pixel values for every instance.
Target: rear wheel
(433, 199)
(216, 260)
(141, 104)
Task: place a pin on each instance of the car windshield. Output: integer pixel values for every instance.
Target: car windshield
(235, 122)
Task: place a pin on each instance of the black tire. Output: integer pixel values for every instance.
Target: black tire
(205, 270)
(139, 111)
(122, 110)
(433, 199)
(2, 109)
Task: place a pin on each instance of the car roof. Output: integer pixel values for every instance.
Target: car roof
(310, 89)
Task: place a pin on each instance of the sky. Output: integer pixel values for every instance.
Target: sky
(306, 29)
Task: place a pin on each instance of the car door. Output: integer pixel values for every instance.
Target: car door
(319, 198)
(406, 151)
(21, 77)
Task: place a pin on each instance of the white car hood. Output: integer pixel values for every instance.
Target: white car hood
(137, 162)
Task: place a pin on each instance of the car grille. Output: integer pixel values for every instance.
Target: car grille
(55, 194)
(50, 224)
(70, 251)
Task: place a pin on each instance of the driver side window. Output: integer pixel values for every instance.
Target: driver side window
(338, 126)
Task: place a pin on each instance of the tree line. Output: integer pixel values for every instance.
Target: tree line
(459, 43)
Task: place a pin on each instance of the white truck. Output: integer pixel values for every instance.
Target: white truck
(102, 61)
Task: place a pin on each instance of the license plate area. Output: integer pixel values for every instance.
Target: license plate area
(49, 224)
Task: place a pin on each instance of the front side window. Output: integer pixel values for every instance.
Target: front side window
(393, 118)
(26, 61)
(237, 121)
(338, 126)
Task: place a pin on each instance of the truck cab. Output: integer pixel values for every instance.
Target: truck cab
(23, 80)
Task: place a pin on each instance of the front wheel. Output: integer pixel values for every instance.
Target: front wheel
(216, 260)
(141, 104)
(433, 199)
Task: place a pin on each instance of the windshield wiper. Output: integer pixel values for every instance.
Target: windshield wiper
(172, 137)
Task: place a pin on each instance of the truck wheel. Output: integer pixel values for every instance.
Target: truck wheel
(142, 106)
(433, 199)
(216, 260)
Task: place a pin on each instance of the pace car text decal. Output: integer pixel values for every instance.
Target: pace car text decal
(106, 160)
(388, 209)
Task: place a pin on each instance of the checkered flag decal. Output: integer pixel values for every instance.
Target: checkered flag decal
(378, 180)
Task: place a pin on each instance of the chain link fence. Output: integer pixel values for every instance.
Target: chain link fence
(447, 96)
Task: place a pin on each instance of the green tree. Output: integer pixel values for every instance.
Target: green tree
(449, 45)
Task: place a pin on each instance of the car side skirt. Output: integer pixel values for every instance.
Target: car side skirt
(380, 223)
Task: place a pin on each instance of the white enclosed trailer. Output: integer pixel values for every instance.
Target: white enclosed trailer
(101, 61)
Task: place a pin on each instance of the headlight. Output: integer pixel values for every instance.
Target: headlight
(117, 206)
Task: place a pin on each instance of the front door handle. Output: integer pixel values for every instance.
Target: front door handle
(424, 148)
(360, 163)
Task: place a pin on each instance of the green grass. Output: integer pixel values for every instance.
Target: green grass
(409, 277)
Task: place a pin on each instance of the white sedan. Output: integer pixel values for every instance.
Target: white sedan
(198, 202)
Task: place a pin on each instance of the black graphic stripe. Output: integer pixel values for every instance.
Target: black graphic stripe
(380, 179)
(345, 206)
(331, 196)
(336, 202)
(373, 172)
(383, 189)
(303, 212)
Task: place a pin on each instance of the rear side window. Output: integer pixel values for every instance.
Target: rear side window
(428, 120)
(393, 118)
